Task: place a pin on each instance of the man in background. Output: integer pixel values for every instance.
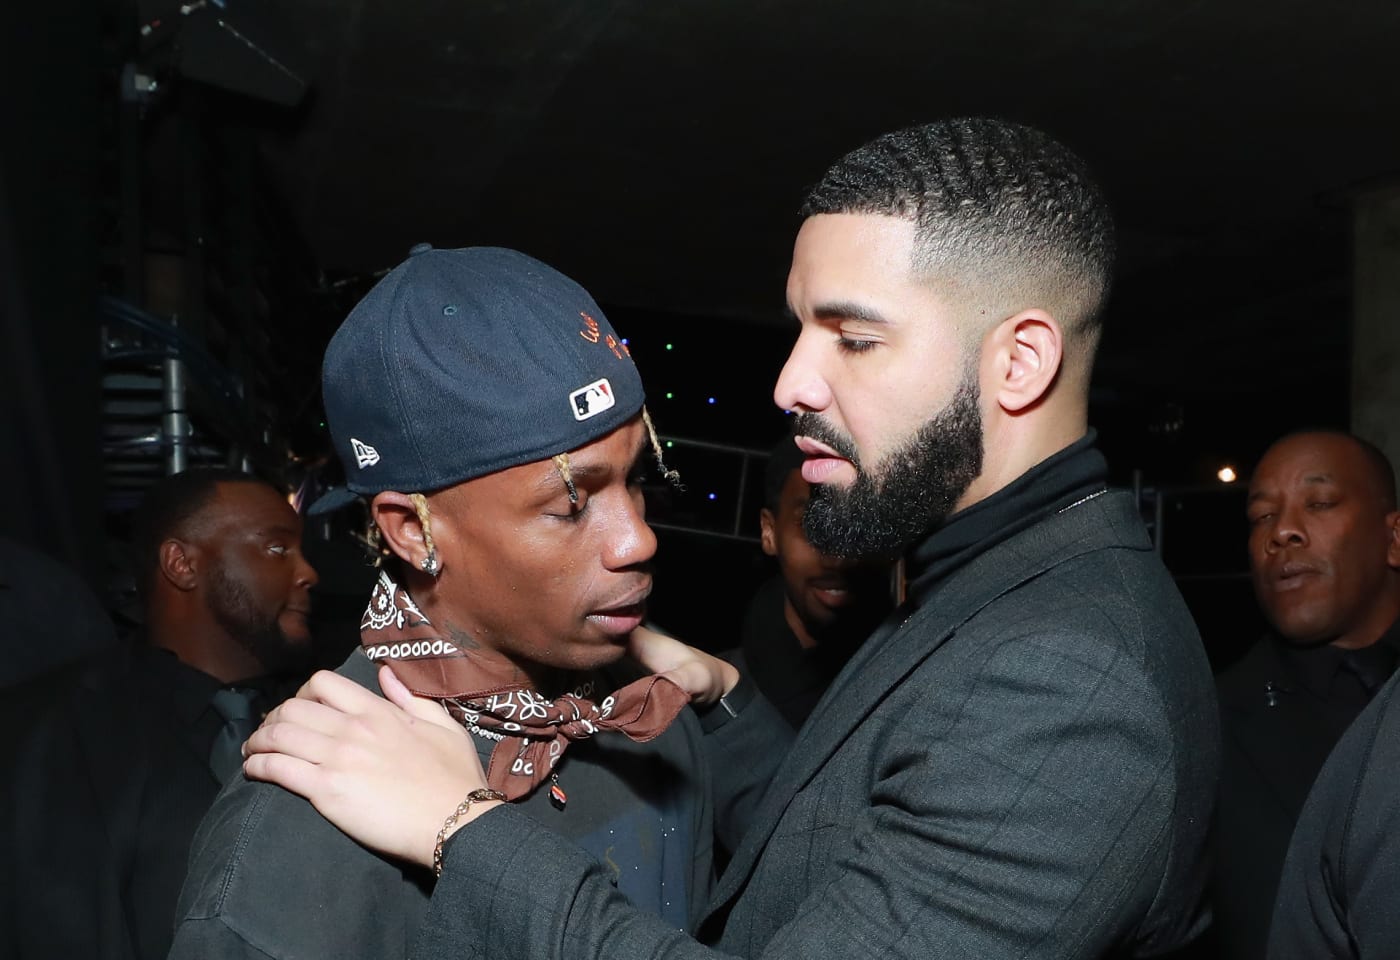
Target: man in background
(1324, 550)
(803, 624)
(111, 778)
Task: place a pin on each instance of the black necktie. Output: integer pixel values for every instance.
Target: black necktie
(238, 707)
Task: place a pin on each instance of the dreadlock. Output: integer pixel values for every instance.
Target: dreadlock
(561, 461)
(425, 519)
(666, 472)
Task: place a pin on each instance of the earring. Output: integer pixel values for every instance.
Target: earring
(430, 563)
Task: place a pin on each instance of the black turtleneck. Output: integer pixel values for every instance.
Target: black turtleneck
(1075, 473)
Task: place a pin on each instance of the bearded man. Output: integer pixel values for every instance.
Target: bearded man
(112, 777)
(1020, 761)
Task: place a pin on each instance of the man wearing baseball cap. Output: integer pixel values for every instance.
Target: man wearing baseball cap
(493, 423)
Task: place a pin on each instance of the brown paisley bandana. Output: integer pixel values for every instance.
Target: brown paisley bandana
(531, 732)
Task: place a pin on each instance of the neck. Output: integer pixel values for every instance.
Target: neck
(200, 643)
(805, 640)
(456, 626)
(1374, 626)
(1013, 445)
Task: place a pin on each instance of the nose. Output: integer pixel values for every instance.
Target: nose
(634, 542)
(306, 577)
(1287, 529)
(801, 385)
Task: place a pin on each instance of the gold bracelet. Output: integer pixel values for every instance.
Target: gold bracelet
(476, 796)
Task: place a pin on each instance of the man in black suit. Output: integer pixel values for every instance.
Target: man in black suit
(1021, 760)
(112, 777)
(1324, 546)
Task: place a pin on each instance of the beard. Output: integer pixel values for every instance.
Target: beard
(255, 630)
(907, 494)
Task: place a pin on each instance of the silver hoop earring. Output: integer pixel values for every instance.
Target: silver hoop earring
(430, 563)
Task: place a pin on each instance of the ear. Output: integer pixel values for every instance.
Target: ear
(179, 563)
(767, 534)
(1028, 350)
(400, 527)
(1392, 553)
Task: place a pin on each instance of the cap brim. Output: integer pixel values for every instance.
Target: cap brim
(332, 500)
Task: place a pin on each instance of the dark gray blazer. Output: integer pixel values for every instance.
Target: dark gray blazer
(1336, 898)
(1023, 768)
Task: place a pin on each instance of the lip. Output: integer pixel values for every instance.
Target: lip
(619, 621)
(815, 448)
(623, 615)
(1293, 574)
(823, 464)
(833, 597)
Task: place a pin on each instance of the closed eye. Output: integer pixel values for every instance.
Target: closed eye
(575, 513)
(847, 345)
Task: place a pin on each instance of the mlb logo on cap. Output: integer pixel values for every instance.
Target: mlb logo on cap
(592, 400)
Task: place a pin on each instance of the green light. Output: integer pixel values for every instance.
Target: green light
(669, 395)
(668, 346)
(669, 444)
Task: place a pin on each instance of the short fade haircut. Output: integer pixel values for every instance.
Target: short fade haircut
(998, 207)
(167, 509)
(783, 459)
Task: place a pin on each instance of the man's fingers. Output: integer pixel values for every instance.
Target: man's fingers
(294, 774)
(307, 713)
(338, 692)
(656, 650)
(424, 708)
(291, 739)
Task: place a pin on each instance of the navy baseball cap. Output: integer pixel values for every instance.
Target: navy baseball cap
(459, 363)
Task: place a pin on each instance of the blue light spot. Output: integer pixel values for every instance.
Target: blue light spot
(712, 400)
(712, 496)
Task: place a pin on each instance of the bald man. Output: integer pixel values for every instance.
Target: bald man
(1324, 548)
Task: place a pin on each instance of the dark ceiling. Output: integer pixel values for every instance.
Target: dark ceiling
(657, 151)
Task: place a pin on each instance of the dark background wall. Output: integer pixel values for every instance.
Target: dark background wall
(50, 151)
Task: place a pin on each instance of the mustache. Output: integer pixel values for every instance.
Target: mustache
(812, 425)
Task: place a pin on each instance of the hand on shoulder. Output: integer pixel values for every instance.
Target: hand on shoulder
(387, 772)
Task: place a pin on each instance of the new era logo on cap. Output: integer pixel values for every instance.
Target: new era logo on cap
(365, 455)
(592, 400)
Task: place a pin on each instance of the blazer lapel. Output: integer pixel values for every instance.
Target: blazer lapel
(905, 640)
